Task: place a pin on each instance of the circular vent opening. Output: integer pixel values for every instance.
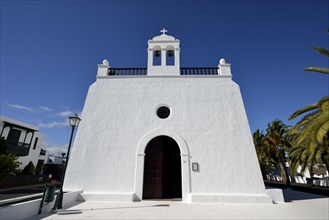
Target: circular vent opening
(163, 112)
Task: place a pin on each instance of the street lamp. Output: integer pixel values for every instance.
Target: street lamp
(74, 122)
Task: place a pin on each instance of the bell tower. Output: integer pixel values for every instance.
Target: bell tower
(163, 55)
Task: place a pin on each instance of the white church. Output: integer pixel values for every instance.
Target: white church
(165, 132)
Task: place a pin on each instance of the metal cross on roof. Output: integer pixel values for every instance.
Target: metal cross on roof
(163, 31)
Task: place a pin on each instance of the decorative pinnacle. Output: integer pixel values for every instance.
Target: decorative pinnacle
(222, 61)
(106, 62)
(164, 31)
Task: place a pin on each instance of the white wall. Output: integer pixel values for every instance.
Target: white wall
(57, 160)
(208, 116)
(33, 153)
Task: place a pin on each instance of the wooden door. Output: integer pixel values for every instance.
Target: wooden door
(153, 168)
(162, 169)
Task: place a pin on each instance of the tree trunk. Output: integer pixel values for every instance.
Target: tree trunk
(325, 160)
(284, 174)
(284, 170)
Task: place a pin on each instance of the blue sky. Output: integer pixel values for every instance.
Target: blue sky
(50, 51)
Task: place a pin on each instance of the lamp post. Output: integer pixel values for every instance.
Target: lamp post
(74, 122)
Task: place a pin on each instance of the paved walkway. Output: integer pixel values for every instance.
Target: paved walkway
(298, 206)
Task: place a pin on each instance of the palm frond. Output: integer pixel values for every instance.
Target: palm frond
(323, 131)
(304, 122)
(324, 104)
(322, 50)
(312, 158)
(307, 135)
(317, 69)
(318, 155)
(303, 110)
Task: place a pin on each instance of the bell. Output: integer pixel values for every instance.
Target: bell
(157, 53)
(170, 53)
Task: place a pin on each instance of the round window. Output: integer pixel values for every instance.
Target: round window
(163, 112)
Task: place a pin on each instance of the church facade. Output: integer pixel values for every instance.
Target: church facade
(165, 132)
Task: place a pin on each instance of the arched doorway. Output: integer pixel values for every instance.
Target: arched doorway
(162, 169)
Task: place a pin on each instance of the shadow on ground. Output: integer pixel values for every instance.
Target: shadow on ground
(292, 195)
(80, 211)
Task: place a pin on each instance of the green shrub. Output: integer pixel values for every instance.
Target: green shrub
(29, 169)
(8, 162)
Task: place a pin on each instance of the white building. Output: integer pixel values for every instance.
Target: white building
(56, 159)
(24, 140)
(165, 132)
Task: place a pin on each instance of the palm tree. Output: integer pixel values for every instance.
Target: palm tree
(266, 155)
(311, 136)
(277, 139)
(311, 133)
(258, 138)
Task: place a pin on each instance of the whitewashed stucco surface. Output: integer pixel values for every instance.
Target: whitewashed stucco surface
(208, 118)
